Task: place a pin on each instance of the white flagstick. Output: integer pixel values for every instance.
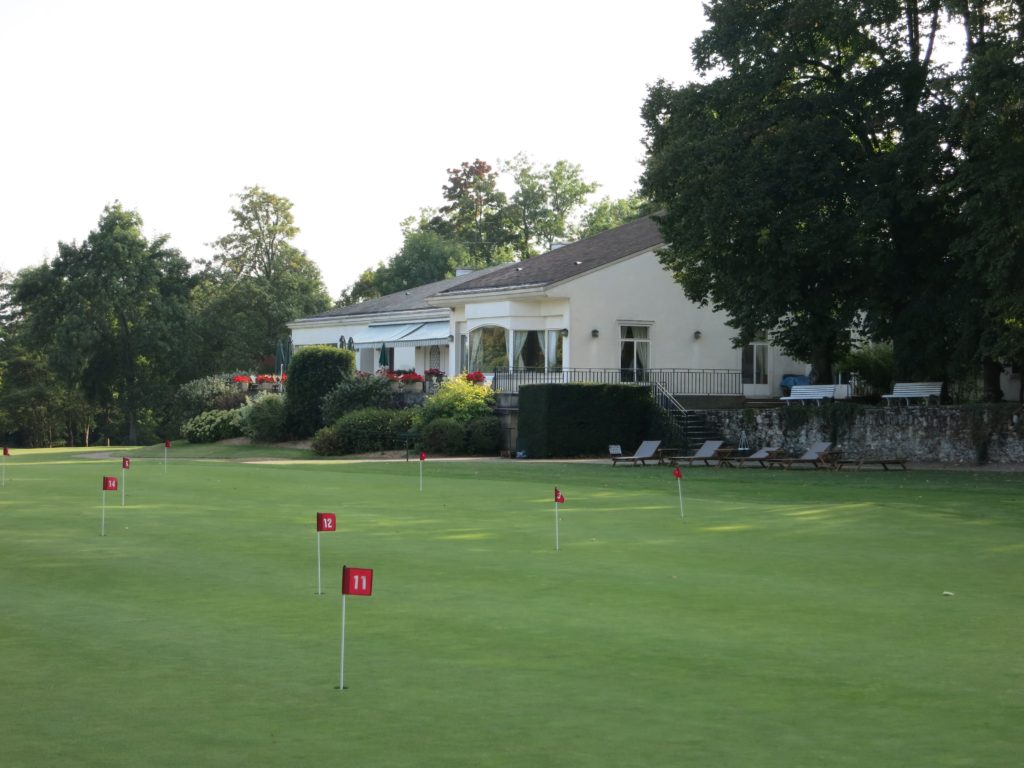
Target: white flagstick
(103, 515)
(122, 485)
(679, 482)
(556, 527)
(319, 589)
(421, 475)
(5, 471)
(341, 680)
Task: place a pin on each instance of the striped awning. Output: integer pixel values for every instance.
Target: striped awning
(402, 335)
(426, 335)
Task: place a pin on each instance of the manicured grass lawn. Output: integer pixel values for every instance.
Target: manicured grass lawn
(791, 619)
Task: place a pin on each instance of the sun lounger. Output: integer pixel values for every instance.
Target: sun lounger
(757, 457)
(705, 453)
(819, 456)
(648, 450)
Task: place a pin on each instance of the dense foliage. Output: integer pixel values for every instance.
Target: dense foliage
(832, 173)
(313, 373)
(363, 431)
(264, 419)
(211, 426)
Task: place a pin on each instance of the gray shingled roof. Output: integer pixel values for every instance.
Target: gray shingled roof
(565, 262)
(404, 301)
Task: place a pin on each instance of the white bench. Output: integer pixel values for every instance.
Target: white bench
(919, 390)
(803, 393)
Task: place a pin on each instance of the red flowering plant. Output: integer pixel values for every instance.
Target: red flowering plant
(435, 373)
(388, 374)
(266, 378)
(476, 377)
(411, 378)
(242, 379)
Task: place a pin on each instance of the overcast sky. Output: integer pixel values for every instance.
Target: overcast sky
(354, 112)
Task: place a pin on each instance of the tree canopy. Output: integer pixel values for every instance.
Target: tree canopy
(817, 183)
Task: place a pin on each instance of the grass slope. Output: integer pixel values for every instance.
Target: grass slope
(791, 619)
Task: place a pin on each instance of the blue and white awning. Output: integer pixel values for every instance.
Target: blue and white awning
(402, 335)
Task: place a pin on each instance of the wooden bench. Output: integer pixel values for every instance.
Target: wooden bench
(918, 390)
(803, 393)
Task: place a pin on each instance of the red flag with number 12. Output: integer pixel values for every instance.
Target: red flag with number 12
(326, 521)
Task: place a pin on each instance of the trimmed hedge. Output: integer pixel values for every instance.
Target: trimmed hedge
(444, 435)
(584, 419)
(313, 373)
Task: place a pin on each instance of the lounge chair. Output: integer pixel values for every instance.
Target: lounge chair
(819, 456)
(648, 450)
(705, 453)
(759, 457)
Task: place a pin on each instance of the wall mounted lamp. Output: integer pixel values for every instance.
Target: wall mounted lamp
(451, 338)
(595, 333)
(697, 334)
(564, 332)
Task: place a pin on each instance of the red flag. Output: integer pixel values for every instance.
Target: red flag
(7, 451)
(109, 483)
(676, 473)
(167, 443)
(126, 463)
(423, 455)
(326, 521)
(559, 498)
(356, 581)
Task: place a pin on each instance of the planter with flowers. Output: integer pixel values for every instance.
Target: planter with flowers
(433, 374)
(476, 377)
(242, 381)
(412, 381)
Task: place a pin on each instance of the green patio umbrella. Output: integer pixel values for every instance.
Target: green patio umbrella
(383, 360)
(283, 355)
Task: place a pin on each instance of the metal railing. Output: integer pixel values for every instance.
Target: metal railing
(675, 381)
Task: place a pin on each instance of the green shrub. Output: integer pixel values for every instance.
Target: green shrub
(483, 437)
(210, 393)
(211, 426)
(444, 435)
(363, 431)
(264, 419)
(313, 373)
(355, 393)
(457, 399)
(874, 366)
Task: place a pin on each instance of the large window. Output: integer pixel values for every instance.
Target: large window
(634, 351)
(488, 349)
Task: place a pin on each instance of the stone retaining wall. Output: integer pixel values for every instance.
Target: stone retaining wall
(968, 434)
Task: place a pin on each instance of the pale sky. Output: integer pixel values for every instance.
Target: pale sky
(352, 111)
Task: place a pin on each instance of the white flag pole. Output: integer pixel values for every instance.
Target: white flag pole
(165, 458)
(421, 474)
(556, 527)
(103, 514)
(122, 485)
(679, 482)
(341, 680)
(319, 589)
(5, 472)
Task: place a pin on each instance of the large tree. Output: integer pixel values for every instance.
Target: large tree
(474, 214)
(110, 315)
(540, 211)
(256, 282)
(988, 186)
(801, 187)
